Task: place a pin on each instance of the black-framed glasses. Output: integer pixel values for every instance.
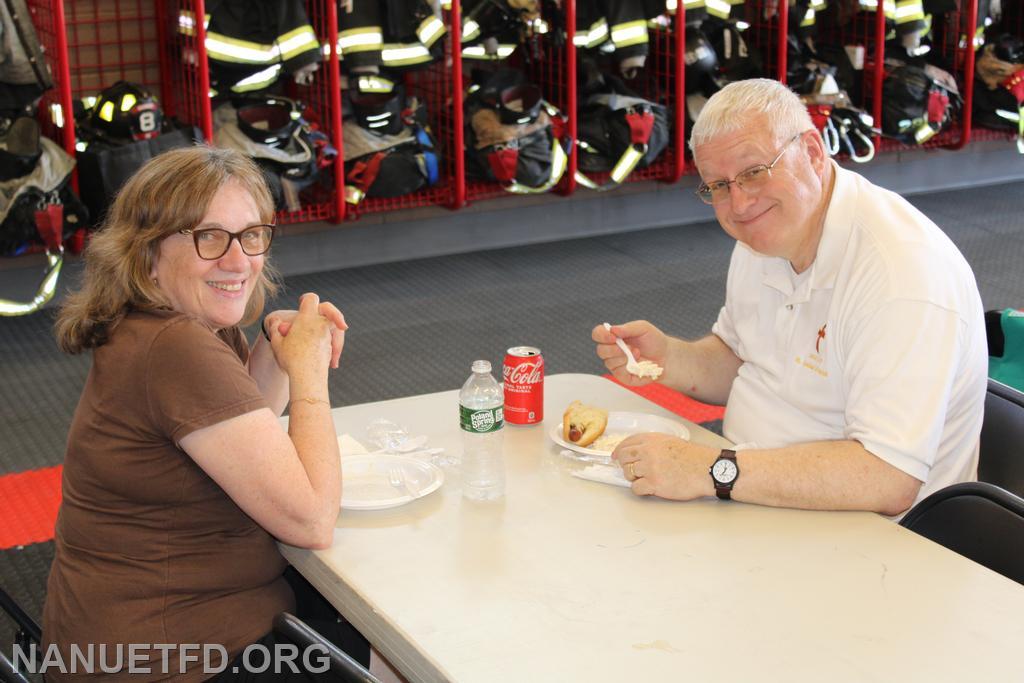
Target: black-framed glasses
(212, 243)
(750, 181)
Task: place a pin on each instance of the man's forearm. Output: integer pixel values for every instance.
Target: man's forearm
(703, 369)
(824, 475)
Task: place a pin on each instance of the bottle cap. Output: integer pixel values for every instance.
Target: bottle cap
(481, 366)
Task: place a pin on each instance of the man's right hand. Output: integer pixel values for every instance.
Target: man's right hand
(645, 340)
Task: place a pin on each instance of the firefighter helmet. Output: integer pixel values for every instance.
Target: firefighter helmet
(126, 111)
(268, 120)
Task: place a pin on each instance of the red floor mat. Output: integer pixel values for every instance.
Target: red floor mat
(30, 502)
(681, 405)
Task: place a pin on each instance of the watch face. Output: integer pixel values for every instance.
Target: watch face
(724, 471)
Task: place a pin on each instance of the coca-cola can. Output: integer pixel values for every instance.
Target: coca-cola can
(524, 385)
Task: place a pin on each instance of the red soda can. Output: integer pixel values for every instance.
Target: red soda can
(524, 385)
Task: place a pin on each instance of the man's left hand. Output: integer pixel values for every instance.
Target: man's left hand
(666, 466)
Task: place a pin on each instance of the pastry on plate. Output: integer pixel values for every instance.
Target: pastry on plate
(582, 424)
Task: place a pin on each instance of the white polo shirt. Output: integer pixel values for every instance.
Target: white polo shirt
(882, 340)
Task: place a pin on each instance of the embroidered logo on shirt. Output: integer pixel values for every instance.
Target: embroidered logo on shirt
(815, 362)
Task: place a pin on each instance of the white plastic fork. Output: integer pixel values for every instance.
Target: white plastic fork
(632, 367)
(397, 479)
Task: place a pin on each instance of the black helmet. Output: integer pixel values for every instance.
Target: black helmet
(126, 111)
(1009, 48)
(268, 120)
(701, 61)
(380, 112)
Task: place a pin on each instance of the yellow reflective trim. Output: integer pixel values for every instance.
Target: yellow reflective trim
(46, 290)
(107, 111)
(57, 113)
(559, 161)
(258, 80)
(909, 10)
(693, 4)
(297, 41)
(360, 40)
(718, 8)
(626, 163)
(353, 195)
(671, 5)
(398, 54)
(808, 19)
(128, 101)
(629, 33)
(924, 133)
(470, 30)
(585, 181)
(430, 29)
(592, 37)
(227, 49)
(478, 52)
(375, 84)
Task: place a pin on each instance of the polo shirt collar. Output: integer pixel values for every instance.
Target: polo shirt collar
(778, 273)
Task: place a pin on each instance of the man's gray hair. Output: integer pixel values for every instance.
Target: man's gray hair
(734, 106)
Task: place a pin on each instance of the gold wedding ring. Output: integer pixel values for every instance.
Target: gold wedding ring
(630, 471)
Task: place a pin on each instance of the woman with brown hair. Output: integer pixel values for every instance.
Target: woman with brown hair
(178, 476)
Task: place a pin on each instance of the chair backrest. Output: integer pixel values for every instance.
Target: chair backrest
(977, 520)
(27, 632)
(1001, 460)
(343, 666)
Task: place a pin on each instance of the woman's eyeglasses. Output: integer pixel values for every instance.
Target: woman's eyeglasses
(212, 243)
(750, 181)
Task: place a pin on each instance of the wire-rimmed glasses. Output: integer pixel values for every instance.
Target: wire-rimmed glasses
(750, 181)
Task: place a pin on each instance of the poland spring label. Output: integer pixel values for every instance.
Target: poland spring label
(481, 421)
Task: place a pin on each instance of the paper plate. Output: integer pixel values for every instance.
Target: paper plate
(366, 485)
(620, 423)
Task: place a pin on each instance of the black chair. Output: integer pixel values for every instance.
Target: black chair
(28, 633)
(978, 520)
(1001, 461)
(344, 668)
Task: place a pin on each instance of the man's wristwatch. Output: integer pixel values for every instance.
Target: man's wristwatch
(724, 473)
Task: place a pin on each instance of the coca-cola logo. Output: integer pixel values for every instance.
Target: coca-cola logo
(524, 373)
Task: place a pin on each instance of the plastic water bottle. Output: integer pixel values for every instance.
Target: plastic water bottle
(481, 416)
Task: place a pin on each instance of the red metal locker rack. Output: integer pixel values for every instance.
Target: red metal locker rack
(186, 85)
(322, 201)
(553, 69)
(435, 87)
(55, 107)
(866, 31)
(766, 34)
(953, 46)
(657, 82)
(1012, 22)
(92, 44)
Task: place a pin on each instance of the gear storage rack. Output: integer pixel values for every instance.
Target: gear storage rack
(90, 44)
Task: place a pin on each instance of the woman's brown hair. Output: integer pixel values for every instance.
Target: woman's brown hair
(172, 192)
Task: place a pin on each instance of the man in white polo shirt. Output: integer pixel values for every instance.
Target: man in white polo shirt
(850, 353)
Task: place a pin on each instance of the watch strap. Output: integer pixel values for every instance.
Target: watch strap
(724, 489)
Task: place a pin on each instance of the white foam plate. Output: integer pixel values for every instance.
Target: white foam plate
(621, 423)
(365, 484)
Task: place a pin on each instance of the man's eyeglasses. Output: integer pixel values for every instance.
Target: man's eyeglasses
(750, 181)
(212, 243)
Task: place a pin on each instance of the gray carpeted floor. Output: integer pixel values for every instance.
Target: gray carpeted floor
(416, 326)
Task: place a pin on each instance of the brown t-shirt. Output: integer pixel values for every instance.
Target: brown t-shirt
(149, 549)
